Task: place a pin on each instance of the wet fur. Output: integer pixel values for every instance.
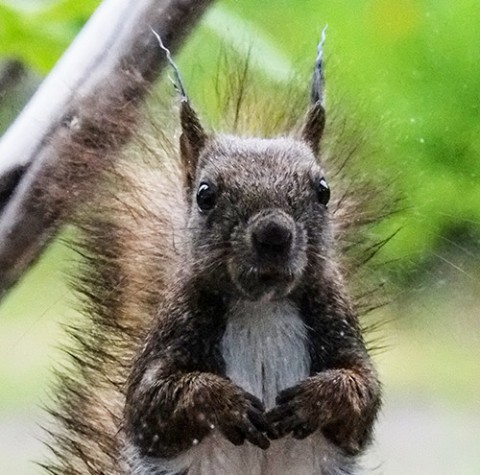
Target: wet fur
(132, 242)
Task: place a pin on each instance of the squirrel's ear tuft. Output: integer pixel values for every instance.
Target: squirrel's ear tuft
(192, 140)
(193, 137)
(315, 122)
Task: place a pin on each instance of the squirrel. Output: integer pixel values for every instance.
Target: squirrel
(221, 337)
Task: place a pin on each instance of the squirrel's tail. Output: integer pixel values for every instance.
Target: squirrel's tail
(129, 240)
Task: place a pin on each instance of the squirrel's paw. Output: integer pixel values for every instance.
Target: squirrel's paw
(338, 402)
(293, 414)
(244, 420)
(216, 404)
(208, 403)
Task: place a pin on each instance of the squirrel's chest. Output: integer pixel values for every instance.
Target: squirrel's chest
(265, 348)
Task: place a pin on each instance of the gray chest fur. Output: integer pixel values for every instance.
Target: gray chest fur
(265, 348)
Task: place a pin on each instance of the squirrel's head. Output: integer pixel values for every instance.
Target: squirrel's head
(257, 207)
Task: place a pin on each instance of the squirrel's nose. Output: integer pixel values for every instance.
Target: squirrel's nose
(272, 236)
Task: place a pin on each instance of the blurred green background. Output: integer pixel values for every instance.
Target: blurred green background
(407, 71)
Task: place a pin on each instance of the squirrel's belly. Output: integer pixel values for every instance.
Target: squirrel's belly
(312, 456)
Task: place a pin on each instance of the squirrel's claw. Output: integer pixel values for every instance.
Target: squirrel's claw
(248, 423)
(249, 427)
(288, 417)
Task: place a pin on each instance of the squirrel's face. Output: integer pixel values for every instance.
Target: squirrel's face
(259, 212)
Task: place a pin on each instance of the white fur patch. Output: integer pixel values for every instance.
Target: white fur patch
(265, 351)
(265, 348)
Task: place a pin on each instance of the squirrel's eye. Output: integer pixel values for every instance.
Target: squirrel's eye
(206, 196)
(323, 192)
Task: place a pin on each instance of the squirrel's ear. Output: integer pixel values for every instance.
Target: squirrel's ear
(192, 140)
(314, 125)
(193, 137)
(312, 131)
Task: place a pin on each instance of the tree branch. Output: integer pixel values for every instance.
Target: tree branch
(84, 111)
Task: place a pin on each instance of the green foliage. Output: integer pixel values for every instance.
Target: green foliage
(408, 72)
(39, 34)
